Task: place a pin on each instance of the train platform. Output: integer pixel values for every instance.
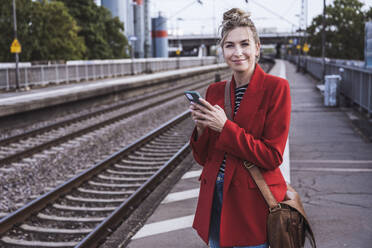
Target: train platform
(330, 166)
(23, 101)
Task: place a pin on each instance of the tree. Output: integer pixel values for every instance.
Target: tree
(102, 34)
(46, 31)
(369, 15)
(344, 31)
(114, 36)
(55, 33)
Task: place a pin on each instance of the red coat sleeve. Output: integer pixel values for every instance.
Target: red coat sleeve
(266, 151)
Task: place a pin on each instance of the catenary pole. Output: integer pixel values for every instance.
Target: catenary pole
(15, 36)
(323, 39)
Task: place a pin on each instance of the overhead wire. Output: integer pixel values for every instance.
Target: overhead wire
(273, 12)
(290, 7)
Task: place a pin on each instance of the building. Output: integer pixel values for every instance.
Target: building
(135, 16)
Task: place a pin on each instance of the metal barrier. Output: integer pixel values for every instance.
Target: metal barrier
(92, 70)
(356, 82)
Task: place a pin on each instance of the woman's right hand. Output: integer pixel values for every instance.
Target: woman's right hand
(199, 126)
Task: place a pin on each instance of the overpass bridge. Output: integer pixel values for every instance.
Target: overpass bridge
(190, 44)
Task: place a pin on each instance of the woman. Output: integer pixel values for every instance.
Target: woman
(231, 211)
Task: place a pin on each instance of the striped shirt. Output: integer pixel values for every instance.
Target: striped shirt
(239, 93)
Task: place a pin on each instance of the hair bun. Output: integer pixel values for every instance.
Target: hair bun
(235, 14)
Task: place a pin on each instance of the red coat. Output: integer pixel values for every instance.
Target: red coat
(258, 134)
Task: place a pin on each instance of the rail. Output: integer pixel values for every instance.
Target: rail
(46, 137)
(124, 158)
(75, 71)
(355, 85)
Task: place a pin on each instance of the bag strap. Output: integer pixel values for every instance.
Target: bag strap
(262, 185)
(228, 101)
(253, 170)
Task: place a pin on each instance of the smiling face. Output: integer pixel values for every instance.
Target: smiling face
(240, 50)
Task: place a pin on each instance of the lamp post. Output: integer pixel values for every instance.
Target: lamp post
(178, 36)
(15, 37)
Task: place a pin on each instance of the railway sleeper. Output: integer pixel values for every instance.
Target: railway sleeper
(125, 179)
(72, 213)
(31, 228)
(104, 192)
(82, 208)
(157, 150)
(164, 146)
(167, 143)
(115, 185)
(88, 205)
(43, 235)
(149, 158)
(35, 221)
(14, 242)
(130, 173)
(149, 163)
(43, 216)
(137, 168)
(153, 154)
(95, 200)
(171, 139)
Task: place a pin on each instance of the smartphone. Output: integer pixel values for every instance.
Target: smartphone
(193, 96)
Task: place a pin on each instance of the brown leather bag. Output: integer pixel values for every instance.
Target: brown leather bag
(287, 224)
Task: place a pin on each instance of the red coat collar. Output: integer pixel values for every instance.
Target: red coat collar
(256, 82)
(253, 94)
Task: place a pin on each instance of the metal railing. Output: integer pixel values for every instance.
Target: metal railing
(356, 82)
(92, 70)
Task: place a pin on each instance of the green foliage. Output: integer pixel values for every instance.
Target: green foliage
(102, 34)
(55, 33)
(24, 13)
(344, 31)
(61, 30)
(114, 29)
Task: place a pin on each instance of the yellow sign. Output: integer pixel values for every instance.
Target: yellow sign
(305, 48)
(290, 41)
(178, 52)
(298, 47)
(16, 47)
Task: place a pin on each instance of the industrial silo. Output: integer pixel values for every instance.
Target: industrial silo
(159, 36)
(124, 10)
(139, 28)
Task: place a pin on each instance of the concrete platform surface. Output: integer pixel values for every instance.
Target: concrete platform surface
(331, 167)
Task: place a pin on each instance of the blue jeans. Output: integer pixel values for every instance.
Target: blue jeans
(214, 229)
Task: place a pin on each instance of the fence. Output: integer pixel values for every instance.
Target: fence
(92, 70)
(356, 82)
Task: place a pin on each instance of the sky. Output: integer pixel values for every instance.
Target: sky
(190, 17)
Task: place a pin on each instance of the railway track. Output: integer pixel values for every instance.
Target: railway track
(72, 214)
(84, 210)
(18, 147)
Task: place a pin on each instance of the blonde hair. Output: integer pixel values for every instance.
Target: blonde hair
(234, 18)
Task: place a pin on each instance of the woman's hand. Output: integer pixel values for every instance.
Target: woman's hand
(194, 115)
(207, 115)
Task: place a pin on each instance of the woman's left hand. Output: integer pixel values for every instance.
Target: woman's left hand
(212, 116)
